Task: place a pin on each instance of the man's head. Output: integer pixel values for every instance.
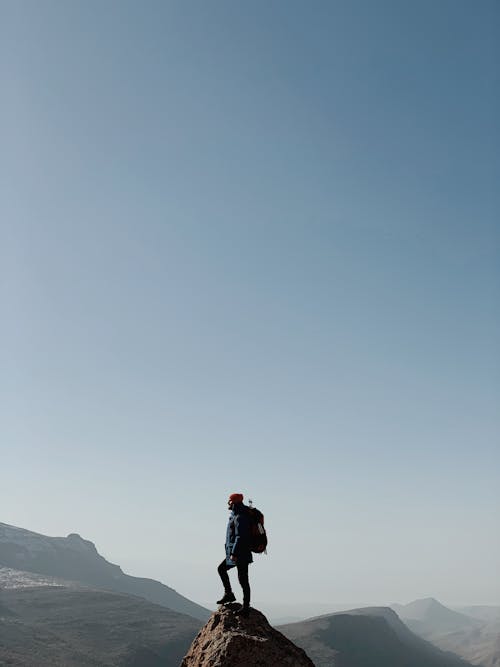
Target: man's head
(234, 499)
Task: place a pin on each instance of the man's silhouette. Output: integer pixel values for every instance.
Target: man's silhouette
(238, 552)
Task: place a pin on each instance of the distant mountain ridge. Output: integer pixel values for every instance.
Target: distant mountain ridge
(482, 612)
(428, 614)
(366, 637)
(76, 559)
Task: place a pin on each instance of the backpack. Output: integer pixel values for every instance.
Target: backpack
(258, 536)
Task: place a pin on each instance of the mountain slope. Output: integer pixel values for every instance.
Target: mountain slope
(488, 613)
(60, 626)
(479, 646)
(428, 616)
(73, 558)
(474, 636)
(371, 637)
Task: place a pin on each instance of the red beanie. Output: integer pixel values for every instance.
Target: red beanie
(236, 498)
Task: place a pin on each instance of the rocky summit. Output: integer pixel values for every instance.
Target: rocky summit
(229, 640)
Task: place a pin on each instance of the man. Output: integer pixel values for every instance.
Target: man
(238, 552)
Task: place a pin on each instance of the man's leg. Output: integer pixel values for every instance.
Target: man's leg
(244, 583)
(228, 593)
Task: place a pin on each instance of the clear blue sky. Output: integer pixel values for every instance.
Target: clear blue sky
(255, 246)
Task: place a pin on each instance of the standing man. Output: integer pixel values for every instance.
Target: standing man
(238, 552)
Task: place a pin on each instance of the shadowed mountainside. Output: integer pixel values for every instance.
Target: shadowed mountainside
(368, 637)
(57, 626)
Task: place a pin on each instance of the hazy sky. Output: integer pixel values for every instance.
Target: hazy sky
(255, 246)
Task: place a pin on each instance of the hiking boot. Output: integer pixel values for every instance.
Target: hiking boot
(227, 597)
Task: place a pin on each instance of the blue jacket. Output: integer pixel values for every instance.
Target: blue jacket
(238, 536)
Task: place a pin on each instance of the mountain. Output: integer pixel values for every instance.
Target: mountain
(480, 646)
(368, 637)
(76, 559)
(227, 640)
(55, 626)
(488, 613)
(281, 613)
(428, 617)
(475, 636)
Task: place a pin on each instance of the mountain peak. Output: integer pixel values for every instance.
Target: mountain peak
(426, 604)
(77, 540)
(428, 601)
(227, 639)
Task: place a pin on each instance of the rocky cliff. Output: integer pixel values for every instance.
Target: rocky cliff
(228, 640)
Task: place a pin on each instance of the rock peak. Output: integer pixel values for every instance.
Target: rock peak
(228, 640)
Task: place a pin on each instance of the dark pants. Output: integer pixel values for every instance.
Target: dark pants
(242, 578)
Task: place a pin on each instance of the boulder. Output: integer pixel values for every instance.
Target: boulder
(231, 640)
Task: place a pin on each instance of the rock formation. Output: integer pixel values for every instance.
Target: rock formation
(229, 640)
